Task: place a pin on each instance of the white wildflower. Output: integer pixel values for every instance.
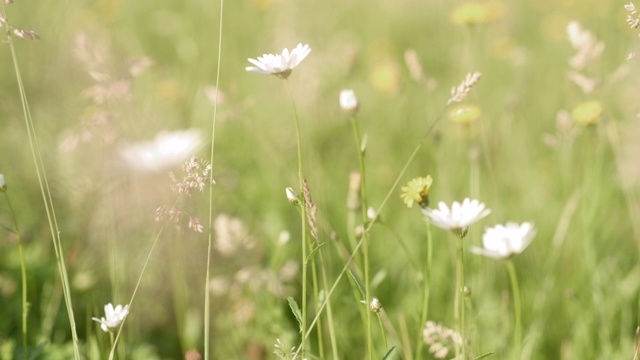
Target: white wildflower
(505, 241)
(280, 65)
(113, 317)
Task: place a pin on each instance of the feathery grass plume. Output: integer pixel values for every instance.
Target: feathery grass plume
(311, 210)
(417, 191)
(633, 20)
(587, 47)
(196, 176)
(458, 93)
(441, 340)
(21, 33)
(281, 351)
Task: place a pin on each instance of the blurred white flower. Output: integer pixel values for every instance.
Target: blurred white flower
(375, 305)
(113, 317)
(459, 216)
(167, 150)
(348, 101)
(505, 241)
(280, 65)
(3, 184)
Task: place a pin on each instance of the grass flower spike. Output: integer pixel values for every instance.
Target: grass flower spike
(279, 65)
(459, 216)
(505, 241)
(113, 317)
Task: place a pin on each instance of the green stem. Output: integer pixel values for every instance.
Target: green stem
(23, 274)
(384, 335)
(36, 154)
(365, 234)
(517, 309)
(207, 296)
(303, 224)
(427, 288)
(458, 311)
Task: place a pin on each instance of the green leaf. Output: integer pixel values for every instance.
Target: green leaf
(358, 281)
(483, 356)
(296, 311)
(314, 251)
(386, 356)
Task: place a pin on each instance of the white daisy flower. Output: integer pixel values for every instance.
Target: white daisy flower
(279, 65)
(459, 217)
(505, 241)
(167, 150)
(113, 317)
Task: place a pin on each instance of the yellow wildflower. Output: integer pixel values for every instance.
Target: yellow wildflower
(417, 191)
(474, 13)
(465, 114)
(587, 113)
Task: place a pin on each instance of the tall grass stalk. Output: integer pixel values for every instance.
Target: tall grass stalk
(458, 304)
(517, 309)
(46, 196)
(303, 225)
(207, 296)
(23, 275)
(365, 234)
(426, 287)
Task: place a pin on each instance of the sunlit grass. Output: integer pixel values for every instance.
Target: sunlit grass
(548, 135)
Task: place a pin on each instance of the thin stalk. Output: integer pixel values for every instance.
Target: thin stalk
(458, 311)
(426, 276)
(365, 234)
(303, 224)
(517, 309)
(23, 274)
(384, 335)
(314, 280)
(135, 290)
(207, 296)
(46, 196)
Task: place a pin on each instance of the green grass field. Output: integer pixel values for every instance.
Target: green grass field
(90, 215)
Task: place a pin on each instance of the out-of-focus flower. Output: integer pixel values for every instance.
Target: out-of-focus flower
(167, 150)
(279, 65)
(474, 13)
(113, 317)
(505, 241)
(417, 191)
(440, 339)
(465, 114)
(231, 235)
(3, 184)
(459, 216)
(292, 196)
(385, 77)
(587, 113)
(349, 101)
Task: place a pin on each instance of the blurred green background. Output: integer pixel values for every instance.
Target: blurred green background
(524, 157)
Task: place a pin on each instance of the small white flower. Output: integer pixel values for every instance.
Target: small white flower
(113, 317)
(167, 150)
(459, 216)
(280, 65)
(375, 305)
(3, 184)
(348, 101)
(505, 241)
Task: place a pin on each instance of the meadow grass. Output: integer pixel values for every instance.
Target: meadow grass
(228, 269)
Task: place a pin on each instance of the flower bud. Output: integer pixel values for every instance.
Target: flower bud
(3, 184)
(348, 101)
(292, 196)
(375, 305)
